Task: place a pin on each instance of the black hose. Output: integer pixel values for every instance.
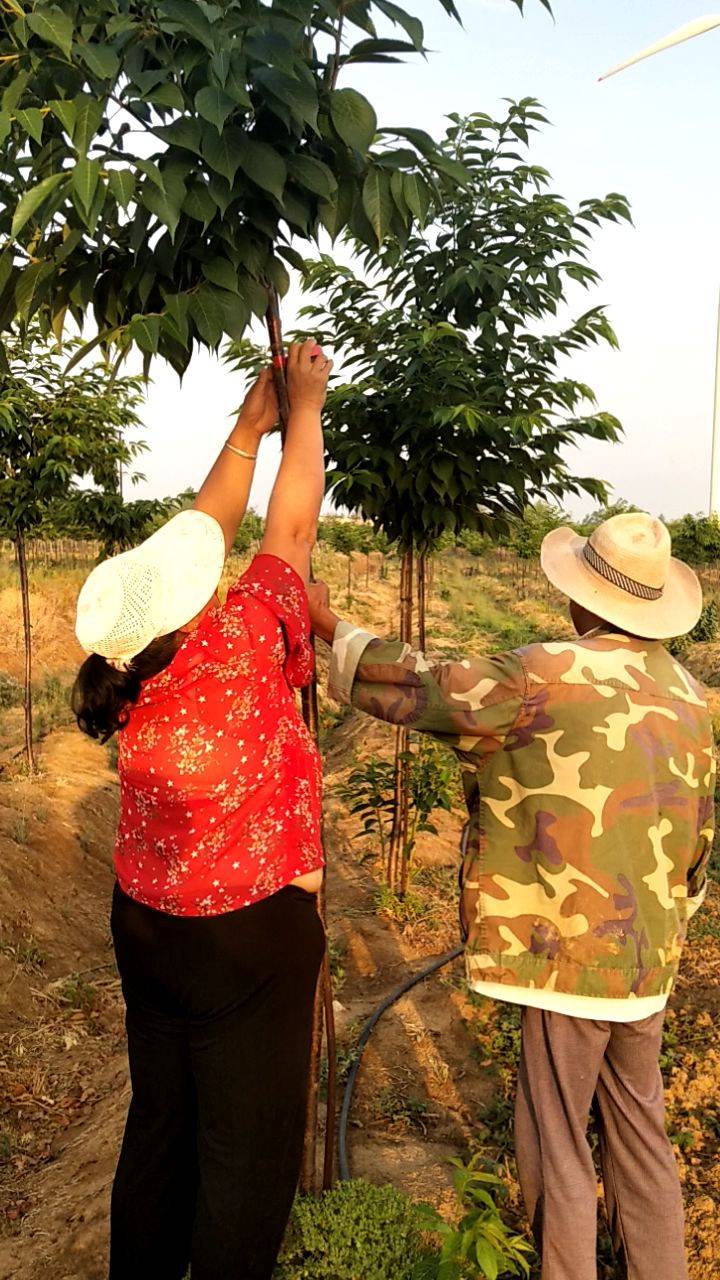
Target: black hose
(438, 963)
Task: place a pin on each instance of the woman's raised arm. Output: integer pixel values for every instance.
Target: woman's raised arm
(225, 492)
(291, 525)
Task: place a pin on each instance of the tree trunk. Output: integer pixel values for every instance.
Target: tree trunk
(323, 997)
(27, 637)
(397, 871)
(422, 576)
(308, 1172)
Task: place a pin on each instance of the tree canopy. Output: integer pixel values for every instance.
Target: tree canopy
(57, 429)
(159, 159)
(457, 409)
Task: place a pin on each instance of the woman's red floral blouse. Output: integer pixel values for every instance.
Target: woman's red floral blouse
(220, 783)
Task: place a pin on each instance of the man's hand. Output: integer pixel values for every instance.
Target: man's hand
(259, 412)
(323, 620)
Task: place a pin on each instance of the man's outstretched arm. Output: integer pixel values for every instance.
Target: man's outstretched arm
(472, 704)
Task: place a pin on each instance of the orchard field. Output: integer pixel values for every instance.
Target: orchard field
(437, 1078)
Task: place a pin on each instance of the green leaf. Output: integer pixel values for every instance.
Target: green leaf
(53, 26)
(208, 315)
(487, 1258)
(335, 213)
(223, 152)
(278, 276)
(145, 332)
(28, 288)
(187, 18)
(166, 205)
(299, 95)
(313, 175)
(32, 122)
(222, 273)
(417, 195)
(412, 26)
(151, 171)
(122, 185)
(85, 178)
(377, 51)
(419, 138)
(33, 200)
(378, 202)
(199, 204)
(177, 306)
(263, 166)
(4, 125)
(167, 95)
(354, 118)
(101, 59)
(451, 168)
(88, 116)
(220, 66)
(185, 132)
(106, 336)
(220, 191)
(235, 84)
(66, 112)
(213, 104)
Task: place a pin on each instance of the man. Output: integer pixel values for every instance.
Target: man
(589, 775)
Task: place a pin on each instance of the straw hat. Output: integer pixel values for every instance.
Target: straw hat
(133, 598)
(625, 574)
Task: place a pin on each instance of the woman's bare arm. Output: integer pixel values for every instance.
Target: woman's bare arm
(291, 524)
(224, 494)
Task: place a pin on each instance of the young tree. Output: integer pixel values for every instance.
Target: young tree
(250, 533)
(456, 413)
(697, 539)
(55, 429)
(105, 515)
(528, 532)
(343, 536)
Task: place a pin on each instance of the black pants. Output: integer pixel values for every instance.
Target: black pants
(219, 1020)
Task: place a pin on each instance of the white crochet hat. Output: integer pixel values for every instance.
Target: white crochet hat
(132, 598)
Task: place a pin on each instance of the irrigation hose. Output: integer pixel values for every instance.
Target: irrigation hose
(438, 963)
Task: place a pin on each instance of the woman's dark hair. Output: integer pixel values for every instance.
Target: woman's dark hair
(102, 696)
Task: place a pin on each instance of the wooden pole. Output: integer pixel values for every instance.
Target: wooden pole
(422, 577)
(398, 877)
(323, 1010)
(27, 633)
(715, 462)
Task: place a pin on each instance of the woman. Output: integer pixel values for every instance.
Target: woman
(218, 855)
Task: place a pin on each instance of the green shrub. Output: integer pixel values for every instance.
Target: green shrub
(481, 1244)
(706, 630)
(11, 692)
(356, 1232)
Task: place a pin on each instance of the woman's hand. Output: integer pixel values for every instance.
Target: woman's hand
(322, 618)
(259, 412)
(308, 370)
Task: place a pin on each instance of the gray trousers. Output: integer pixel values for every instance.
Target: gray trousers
(566, 1066)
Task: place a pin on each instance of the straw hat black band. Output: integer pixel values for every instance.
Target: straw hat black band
(618, 579)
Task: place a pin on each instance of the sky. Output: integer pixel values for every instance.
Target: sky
(650, 133)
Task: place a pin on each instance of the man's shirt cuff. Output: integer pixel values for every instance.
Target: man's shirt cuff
(349, 645)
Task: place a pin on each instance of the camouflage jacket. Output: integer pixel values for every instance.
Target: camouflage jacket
(589, 774)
